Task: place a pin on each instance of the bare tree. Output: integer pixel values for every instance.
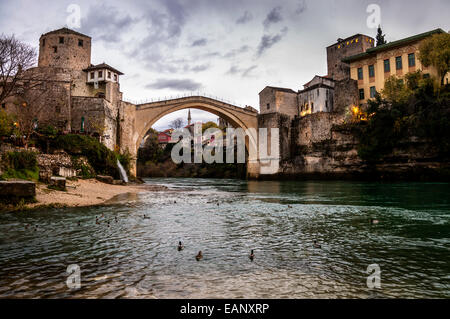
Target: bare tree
(15, 58)
(176, 124)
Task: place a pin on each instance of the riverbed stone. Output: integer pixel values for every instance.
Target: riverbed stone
(58, 183)
(17, 189)
(105, 179)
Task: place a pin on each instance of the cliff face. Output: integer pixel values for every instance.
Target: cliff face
(320, 148)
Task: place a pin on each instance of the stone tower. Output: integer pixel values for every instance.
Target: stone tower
(343, 48)
(65, 48)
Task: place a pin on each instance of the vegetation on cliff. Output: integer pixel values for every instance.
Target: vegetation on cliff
(415, 107)
(20, 165)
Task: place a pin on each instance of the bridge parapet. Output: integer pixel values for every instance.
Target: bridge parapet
(196, 98)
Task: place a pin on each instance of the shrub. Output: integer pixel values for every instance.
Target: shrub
(103, 160)
(21, 165)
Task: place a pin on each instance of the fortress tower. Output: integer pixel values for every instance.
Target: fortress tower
(343, 48)
(65, 48)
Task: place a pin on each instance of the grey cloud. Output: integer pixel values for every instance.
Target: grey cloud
(301, 7)
(106, 23)
(235, 52)
(267, 41)
(246, 17)
(175, 84)
(234, 69)
(199, 43)
(200, 68)
(274, 16)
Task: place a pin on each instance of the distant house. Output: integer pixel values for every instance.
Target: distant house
(165, 137)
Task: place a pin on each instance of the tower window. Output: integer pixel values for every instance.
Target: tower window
(61, 40)
(373, 92)
(100, 74)
(360, 73)
(387, 65)
(371, 71)
(411, 60)
(398, 63)
(55, 49)
(361, 94)
(115, 77)
(268, 105)
(92, 75)
(109, 75)
(43, 42)
(80, 42)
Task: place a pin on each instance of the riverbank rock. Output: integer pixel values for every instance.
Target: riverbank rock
(17, 189)
(105, 179)
(58, 183)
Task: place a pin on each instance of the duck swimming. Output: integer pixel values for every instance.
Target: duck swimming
(252, 255)
(180, 246)
(289, 206)
(374, 221)
(199, 256)
(316, 245)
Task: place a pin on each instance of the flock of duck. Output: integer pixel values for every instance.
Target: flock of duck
(180, 247)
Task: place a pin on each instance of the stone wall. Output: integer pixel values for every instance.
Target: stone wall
(69, 54)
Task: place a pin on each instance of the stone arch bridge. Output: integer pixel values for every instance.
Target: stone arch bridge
(136, 120)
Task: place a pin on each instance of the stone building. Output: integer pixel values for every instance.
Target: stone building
(343, 48)
(318, 94)
(77, 96)
(374, 66)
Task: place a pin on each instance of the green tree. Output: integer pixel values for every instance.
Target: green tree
(6, 124)
(380, 37)
(208, 125)
(435, 51)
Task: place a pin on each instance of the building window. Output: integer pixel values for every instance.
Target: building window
(371, 71)
(3, 105)
(268, 105)
(373, 92)
(82, 124)
(92, 75)
(326, 105)
(312, 107)
(360, 73)
(387, 65)
(55, 49)
(411, 59)
(361, 94)
(61, 40)
(100, 74)
(109, 75)
(115, 77)
(80, 42)
(398, 63)
(43, 42)
(318, 92)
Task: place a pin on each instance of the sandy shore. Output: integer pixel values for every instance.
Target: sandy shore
(83, 193)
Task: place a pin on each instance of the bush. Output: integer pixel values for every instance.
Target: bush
(103, 160)
(21, 160)
(21, 165)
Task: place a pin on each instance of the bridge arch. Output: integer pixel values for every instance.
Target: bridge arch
(146, 115)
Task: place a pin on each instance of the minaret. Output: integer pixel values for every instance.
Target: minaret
(189, 117)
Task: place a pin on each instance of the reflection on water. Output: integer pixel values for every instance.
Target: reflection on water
(137, 257)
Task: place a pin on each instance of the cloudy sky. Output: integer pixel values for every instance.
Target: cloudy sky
(231, 49)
